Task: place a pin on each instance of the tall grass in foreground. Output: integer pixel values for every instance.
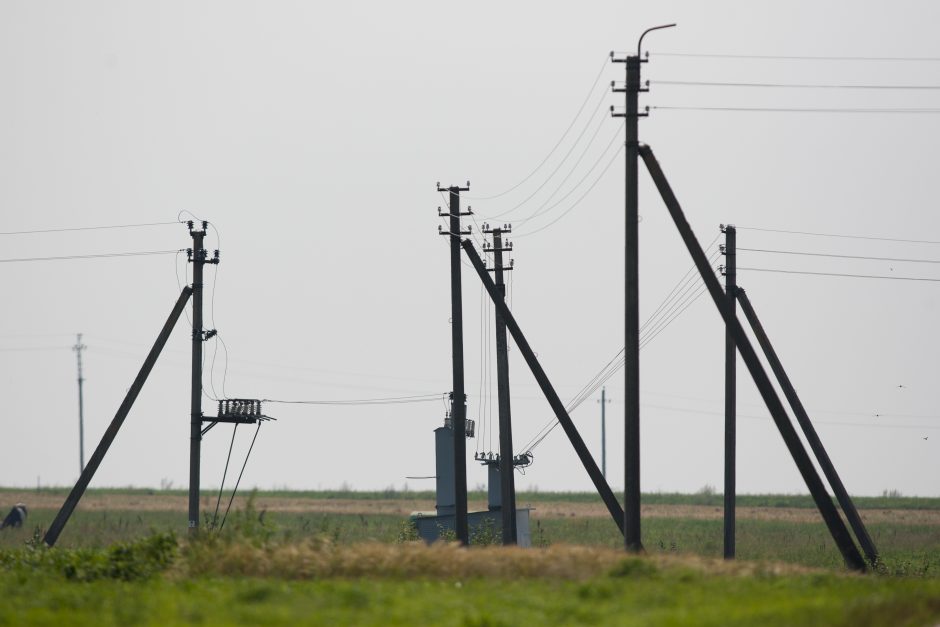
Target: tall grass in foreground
(248, 577)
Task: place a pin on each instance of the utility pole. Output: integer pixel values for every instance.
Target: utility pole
(506, 461)
(78, 348)
(631, 506)
(459, 398)
(731, 357)
(199, 257)
(631, 455)
(603, 403)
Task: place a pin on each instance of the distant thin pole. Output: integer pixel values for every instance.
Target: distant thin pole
(604, 432)
(78, 348)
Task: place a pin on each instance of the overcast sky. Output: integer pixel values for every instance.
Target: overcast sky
(312, 136)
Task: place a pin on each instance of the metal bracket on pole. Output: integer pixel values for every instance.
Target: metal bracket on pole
(840, 534)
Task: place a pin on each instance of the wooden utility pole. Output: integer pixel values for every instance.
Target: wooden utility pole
(506, 461)
(199, 258)
(458, 411)
(631, 456)
(731, 357)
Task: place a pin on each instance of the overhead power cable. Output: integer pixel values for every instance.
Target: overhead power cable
(578, 201)
(577, 115)
(792, 57)
(96, 256)
(679, 299)
(571, 171)
(86, 228)
(543, 209)
(917, 111)
(837, 256)
(815, 422)
(793, 85)
(840, 274)
(840, 235)
(391, 400)
(551, 175)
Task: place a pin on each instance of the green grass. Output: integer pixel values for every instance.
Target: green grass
(633, 592)
(124, 567)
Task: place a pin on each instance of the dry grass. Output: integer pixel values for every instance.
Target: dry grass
(321, 559)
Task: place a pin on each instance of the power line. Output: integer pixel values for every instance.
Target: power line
(660, 319)
(818, 422)
(538, 211)
(574, 145)
(97, 256)
(793, 85)
(792, 57)
(580, 198)
(797, 110)
(542, 209)
(838, 274)
(557, 144)
(391, 400)
(840, 235)
(87, 228)
(865, 257)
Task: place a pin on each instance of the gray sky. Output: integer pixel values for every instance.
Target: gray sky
(312, 138)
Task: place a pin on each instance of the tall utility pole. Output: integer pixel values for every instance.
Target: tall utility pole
(458, 411)
(631, 458)
(603, 403)
(199, 257)
(506, 462)
(631, 455)
(731, 357)
(78, 348)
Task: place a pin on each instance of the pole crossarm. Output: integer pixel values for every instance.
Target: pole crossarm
(840, 534)
(58, 524)
(502, 310)
(803, 419)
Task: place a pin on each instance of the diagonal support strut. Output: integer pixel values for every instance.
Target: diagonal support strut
(600, 483)
(848, 507)
(89, 472)
(840, 534)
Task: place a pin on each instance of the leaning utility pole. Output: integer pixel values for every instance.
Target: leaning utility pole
(632, 115)
(458, 411)
(78, 348)
(71, 501)
(506, 461)
(199, 257)
(731, 357)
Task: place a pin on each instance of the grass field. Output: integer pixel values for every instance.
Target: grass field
(315, 558)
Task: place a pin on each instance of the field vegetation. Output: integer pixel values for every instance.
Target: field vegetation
(317, 566)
